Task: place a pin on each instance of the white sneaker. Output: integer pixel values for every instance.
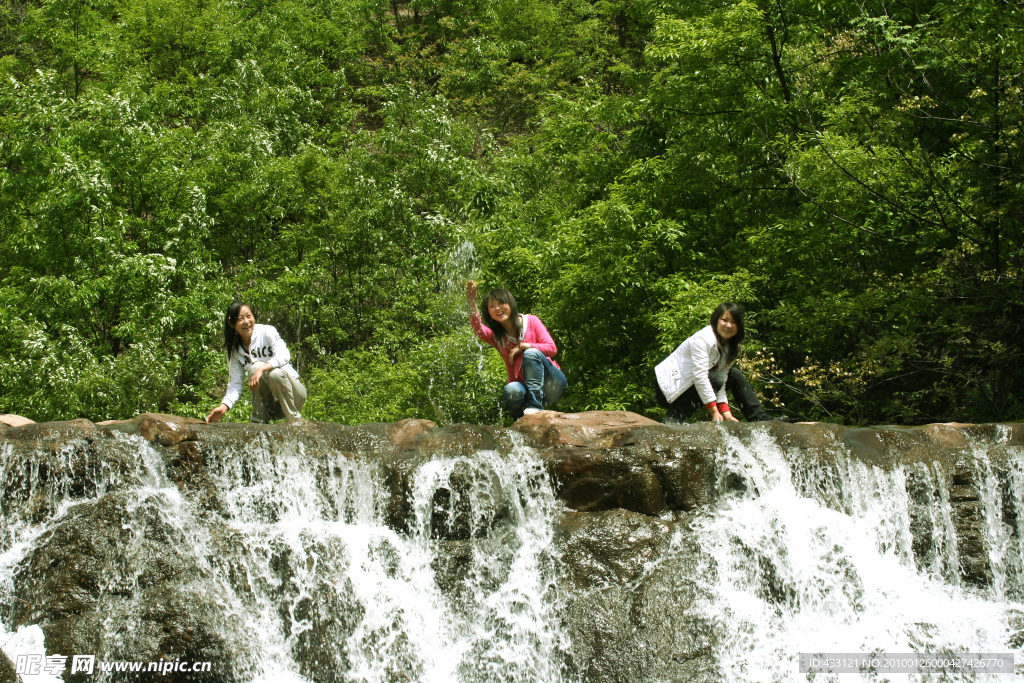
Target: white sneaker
(531, 411)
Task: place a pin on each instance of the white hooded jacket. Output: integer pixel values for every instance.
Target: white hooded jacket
(689, 366)
(266, 346)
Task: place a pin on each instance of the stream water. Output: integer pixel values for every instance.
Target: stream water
(314, 584)
(811, 566)
(321, 584)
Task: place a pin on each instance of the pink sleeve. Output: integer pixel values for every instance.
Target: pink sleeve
(540, 339)
(484, 333)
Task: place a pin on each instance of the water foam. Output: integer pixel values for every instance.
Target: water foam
(795, 575)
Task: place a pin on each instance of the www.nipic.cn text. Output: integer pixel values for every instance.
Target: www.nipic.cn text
(32, 665)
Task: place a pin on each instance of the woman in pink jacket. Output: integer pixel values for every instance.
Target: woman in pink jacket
(534, 379)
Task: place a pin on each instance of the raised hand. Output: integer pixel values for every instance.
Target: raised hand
(471, 296)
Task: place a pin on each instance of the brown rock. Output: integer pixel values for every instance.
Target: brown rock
(405, 432)
(595, 428)
(804, 435)
(50, 431)
(653, 468)
(591, 479)
(166, 430)
(15, 420)
(949, 434)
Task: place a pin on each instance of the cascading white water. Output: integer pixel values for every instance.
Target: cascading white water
(20, 532)
(830, 569)
(942, 561)
(313, 578)
(326, 590)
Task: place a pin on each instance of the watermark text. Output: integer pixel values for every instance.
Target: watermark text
(33, 665)
(907, 663)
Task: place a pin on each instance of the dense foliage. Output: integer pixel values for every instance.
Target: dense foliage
(848, 172)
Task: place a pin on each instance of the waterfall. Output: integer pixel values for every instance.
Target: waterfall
(320, 587)
(474, 554)
(801, 568)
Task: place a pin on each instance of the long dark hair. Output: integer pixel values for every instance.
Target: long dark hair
(502, 296)
(730, 346)
(233, 340)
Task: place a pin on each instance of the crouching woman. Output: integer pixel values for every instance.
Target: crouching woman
(534, 379)
(702, 369)
(258, 356)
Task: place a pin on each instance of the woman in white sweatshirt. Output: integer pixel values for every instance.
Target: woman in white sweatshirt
(702, 369)
(258, 355)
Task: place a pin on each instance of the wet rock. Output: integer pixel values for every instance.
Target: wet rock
(870, 446)
(950, 434)
(114, 578)
(610, 547)
(651, 468)
(8, 673)
(452, 565)
(685, 460)
(1015, 629)
(398, 482)
(590, 479)
(803, 436)
(53, 462)
(326, 616)
(926, 523)
(50, 432)
(164, 429)
(457, 440)
(406, 432)
(631, 593)
(469, 504)
(968, 516)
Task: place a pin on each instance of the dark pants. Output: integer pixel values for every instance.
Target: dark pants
(743, 394)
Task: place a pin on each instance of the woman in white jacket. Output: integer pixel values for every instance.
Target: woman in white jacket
(702, 369)
(257, 354)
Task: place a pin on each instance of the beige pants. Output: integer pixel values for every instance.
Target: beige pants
(279, 395)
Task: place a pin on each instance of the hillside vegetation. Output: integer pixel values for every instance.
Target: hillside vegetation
(849, 172)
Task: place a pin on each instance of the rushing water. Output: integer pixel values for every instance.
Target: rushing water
(322, 584)
(315, 581)
(805, 568)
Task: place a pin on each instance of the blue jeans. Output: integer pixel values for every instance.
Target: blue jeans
(545, 384)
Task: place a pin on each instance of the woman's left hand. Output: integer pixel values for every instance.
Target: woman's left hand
(728, 416)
